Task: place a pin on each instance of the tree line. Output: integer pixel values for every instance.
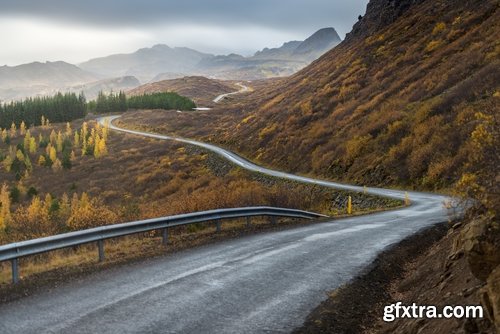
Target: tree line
(58, 108)
(167, 100)
(70, 106)
(120, 102)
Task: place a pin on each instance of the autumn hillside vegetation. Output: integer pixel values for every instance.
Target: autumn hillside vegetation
(25, 154)
(410, 99)
(62, 177)
(397, 107)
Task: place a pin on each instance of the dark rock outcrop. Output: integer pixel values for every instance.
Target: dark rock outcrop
(379, 14)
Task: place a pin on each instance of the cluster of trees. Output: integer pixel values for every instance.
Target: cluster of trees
(56, 150)
(69, 106)
(93, 141)
(167, 100)
(58, 108)
(109, 103)
(120, 102)
(18, 159)
(49, 215)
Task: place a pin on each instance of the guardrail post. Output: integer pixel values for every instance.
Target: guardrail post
(15, 271)
(100, 246)
(273, 220)
(164, 234)
(248, 221)
(407, 199)
(218, 225)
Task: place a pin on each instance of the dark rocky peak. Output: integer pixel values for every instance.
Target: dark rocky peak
(319, 41)
(379, 14)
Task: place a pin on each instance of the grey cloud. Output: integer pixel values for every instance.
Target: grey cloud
(292, 15)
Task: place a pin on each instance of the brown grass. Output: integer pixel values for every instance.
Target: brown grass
(142, 178)
(410, 91)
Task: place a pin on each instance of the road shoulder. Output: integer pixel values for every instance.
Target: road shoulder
(411, 271)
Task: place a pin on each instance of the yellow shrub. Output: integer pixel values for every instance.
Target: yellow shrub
(433, 45)
(90, 213)
(439, 27)
(267, 130)
(247, 119)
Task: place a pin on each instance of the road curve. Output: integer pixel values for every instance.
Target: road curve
(223, 96)
(266, 283)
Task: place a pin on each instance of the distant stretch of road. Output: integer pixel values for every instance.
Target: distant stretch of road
(265, 283)
(223, 96)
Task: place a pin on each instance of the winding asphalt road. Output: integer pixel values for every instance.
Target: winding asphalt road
(266, 283)
(243, 89)
(223, 96)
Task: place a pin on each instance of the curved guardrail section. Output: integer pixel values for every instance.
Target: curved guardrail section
(16, 250)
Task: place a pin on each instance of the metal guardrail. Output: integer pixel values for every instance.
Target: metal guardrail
(16, 250)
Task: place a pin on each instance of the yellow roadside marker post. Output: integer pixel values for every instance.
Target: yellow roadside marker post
(349, 205)
(407, 199)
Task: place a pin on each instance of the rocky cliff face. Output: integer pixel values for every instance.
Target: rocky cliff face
(379, 14)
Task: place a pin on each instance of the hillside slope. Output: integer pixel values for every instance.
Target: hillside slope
(393, 106)
(411, 98)
(200, 89)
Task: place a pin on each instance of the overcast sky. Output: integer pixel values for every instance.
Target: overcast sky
(74, 31)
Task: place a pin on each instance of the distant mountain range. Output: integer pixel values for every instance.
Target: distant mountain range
(40, 79)
(160, 62)
(283, 61)
(147, 63)
(310, 49)
(163, 62)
